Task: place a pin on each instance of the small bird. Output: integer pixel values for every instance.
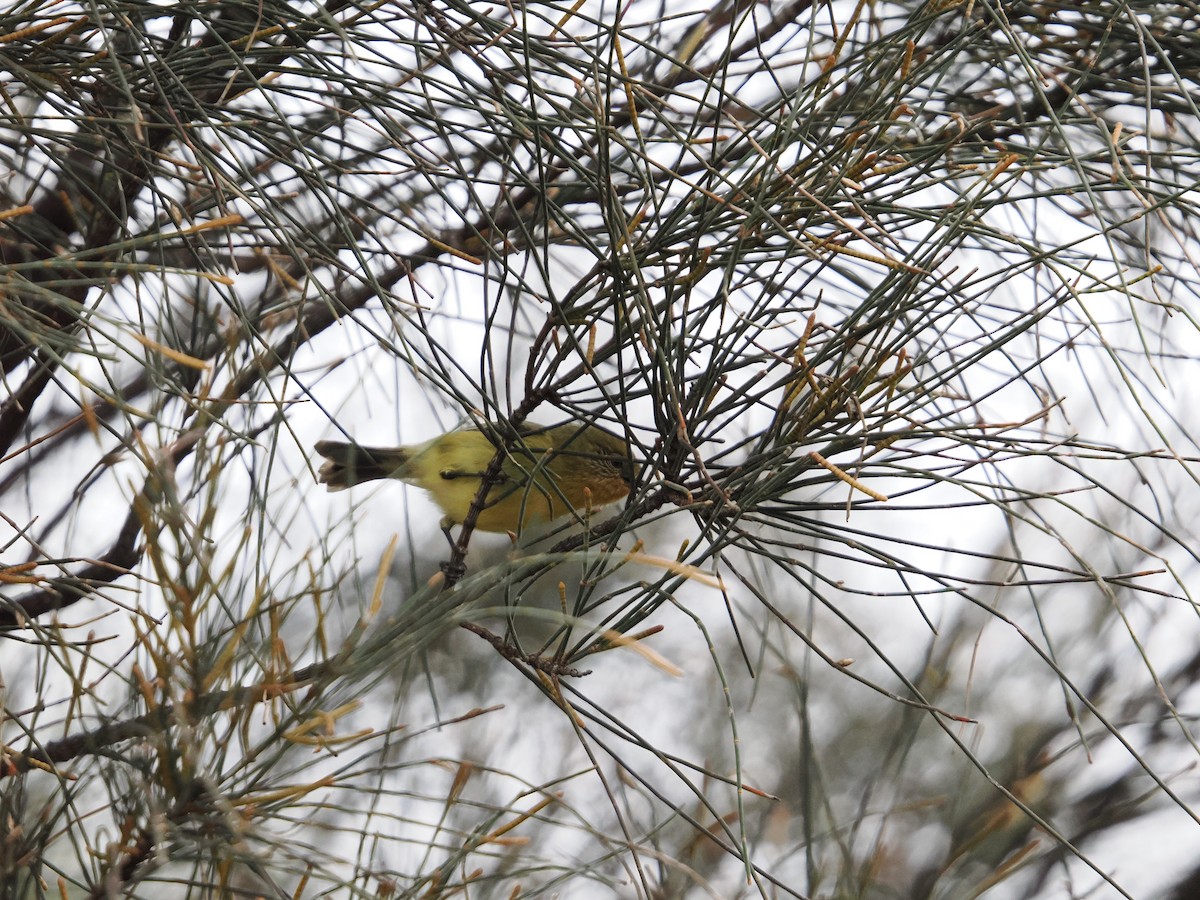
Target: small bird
(549, 473)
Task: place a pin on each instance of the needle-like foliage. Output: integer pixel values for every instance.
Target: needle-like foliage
(894, 304)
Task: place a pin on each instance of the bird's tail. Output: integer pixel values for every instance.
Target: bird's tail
(349, 464)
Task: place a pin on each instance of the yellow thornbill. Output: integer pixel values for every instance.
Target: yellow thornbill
(549, 473)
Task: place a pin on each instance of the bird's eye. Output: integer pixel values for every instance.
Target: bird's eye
(625, 466)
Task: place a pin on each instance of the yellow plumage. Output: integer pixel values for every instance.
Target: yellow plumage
(548, 473)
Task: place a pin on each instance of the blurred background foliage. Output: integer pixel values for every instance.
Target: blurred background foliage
(893, 302)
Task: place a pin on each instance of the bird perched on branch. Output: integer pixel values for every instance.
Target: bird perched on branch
(546, 474)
